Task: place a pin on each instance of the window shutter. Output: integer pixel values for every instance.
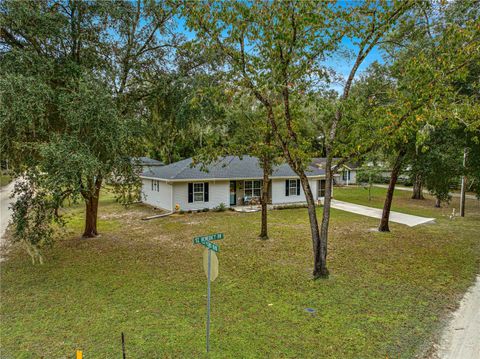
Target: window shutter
(152, 185)
(190, 193)
(205, 189)
(298, 187)
(287, 189)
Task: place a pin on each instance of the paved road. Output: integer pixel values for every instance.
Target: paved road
(461, 338)
(5, 211)
(396, 217)
(410, 189)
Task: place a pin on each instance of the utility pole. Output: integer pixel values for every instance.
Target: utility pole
(464, 185)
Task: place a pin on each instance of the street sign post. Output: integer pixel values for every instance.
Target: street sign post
(210, 264)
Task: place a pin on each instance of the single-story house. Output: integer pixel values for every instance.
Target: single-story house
(346, 174)
(230, 180)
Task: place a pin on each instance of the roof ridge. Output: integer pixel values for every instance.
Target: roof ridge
(185, 167)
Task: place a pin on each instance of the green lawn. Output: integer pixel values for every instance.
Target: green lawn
(387, 295)
(5, 179)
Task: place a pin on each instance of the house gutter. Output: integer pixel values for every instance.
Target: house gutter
(224, 179)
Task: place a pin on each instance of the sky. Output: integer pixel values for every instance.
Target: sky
(341, 64)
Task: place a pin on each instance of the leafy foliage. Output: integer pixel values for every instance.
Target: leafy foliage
(70, 105)
(34, 212)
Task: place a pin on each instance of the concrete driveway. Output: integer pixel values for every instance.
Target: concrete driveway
(396, 217)
(410, 189)
(5, 212)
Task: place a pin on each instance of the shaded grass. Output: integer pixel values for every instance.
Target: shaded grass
(387, 293)
(5, 179)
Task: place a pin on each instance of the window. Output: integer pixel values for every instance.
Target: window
(292, 188)
(253, 188)
(155, 185)
(346, 175)
(198, 192)
(321, 188)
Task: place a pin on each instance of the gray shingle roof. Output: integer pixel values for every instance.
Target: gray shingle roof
(320, 162)
(146, 161)
(228, 167)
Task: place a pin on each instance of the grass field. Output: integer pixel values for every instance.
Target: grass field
(388, 293)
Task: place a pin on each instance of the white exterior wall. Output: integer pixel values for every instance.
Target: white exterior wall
(173, 193)
(278, 192)
(218, 192)
(161, 199)
(314, 187)
(353, 178)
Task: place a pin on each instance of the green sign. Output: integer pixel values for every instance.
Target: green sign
(210, 264)
(211, 237)
(206, 243)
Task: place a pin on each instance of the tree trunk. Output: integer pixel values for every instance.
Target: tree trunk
(417, 188)
(91, 210)
(319, 244)
(437, 202)
(264, 198)
(391, 188)
(327, 200)
(464, 184)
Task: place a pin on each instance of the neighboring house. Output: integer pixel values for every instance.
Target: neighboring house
(346, 174)
(231, 180)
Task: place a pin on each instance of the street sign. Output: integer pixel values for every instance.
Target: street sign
(213, 264)
(210, 264)
(211, 237)
(206, 243)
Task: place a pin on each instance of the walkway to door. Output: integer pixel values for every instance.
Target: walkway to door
(396, 217)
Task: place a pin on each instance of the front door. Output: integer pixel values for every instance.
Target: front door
(233, 193)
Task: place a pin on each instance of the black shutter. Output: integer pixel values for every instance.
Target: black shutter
(205, 191)
(190, 193)
(287, 189)
(152, 185)
(298, 187)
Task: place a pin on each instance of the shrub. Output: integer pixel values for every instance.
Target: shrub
(181, 211)
(220, 208)
(205, 210)
(364, 176)
(189, 211)
(291, 206)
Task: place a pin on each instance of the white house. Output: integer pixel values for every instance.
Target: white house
(231, 180)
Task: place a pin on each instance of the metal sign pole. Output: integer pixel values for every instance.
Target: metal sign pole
(208, 300)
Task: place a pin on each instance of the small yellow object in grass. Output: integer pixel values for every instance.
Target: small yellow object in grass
(79, 354)
(270, 304)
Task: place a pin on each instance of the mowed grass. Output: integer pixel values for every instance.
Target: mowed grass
(388, 293)
(5, 179)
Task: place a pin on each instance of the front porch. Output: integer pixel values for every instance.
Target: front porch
(281, 191)
(247, 192)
